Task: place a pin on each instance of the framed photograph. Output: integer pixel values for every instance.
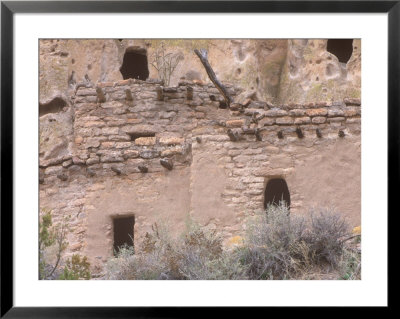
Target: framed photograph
(159, 155)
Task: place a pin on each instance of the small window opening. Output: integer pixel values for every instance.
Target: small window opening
(54, 106)
(123, 232)
(134, 136)
(134, 65)
(275, 192)
(341, 48)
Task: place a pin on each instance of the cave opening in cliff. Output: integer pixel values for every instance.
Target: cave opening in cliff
(341, 48)
(54, 106)
(276, 191)
(135, 65)
(123, 232)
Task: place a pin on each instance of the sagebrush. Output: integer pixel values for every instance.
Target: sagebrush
(276, 245)
(280, 245)
(197, 254)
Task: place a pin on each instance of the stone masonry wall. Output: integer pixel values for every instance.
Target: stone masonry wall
(163, 153)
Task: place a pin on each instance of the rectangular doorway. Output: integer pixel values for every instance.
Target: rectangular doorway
(123, 232)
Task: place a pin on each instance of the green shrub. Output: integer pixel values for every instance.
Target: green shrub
(52, 245)
(76, 268)
(350, 265)
(51, 236)
(46, 239)
(350, 261)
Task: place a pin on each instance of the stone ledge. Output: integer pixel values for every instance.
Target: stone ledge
(352, 101)
(171, 140)
(145, 141)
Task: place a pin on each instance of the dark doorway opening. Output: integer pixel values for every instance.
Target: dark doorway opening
(275, 192)
(341, 48)
(134, 65)
(123, 232)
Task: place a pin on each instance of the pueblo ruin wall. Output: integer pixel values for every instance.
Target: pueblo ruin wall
(139, 150)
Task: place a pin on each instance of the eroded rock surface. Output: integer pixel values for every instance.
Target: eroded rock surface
(273, 70)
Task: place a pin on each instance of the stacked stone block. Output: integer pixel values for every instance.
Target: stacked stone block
(139, 127)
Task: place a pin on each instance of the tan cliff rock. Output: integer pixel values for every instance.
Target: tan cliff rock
(274, 70)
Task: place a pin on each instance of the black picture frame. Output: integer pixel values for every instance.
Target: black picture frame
(9, 8)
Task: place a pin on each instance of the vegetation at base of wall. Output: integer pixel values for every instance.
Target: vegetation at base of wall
(196, 254)
(277, 245)
(76, 268)
(350, 266)
(51, 236)
(52, 245)
(46, 239)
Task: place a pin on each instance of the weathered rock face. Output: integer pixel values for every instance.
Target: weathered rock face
(113, 147)
(273, 70)
(312, 73)
(55, 132)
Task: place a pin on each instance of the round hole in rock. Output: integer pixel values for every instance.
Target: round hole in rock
(331, 70)
(134, 65)
(341, 48)
(276, 191)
